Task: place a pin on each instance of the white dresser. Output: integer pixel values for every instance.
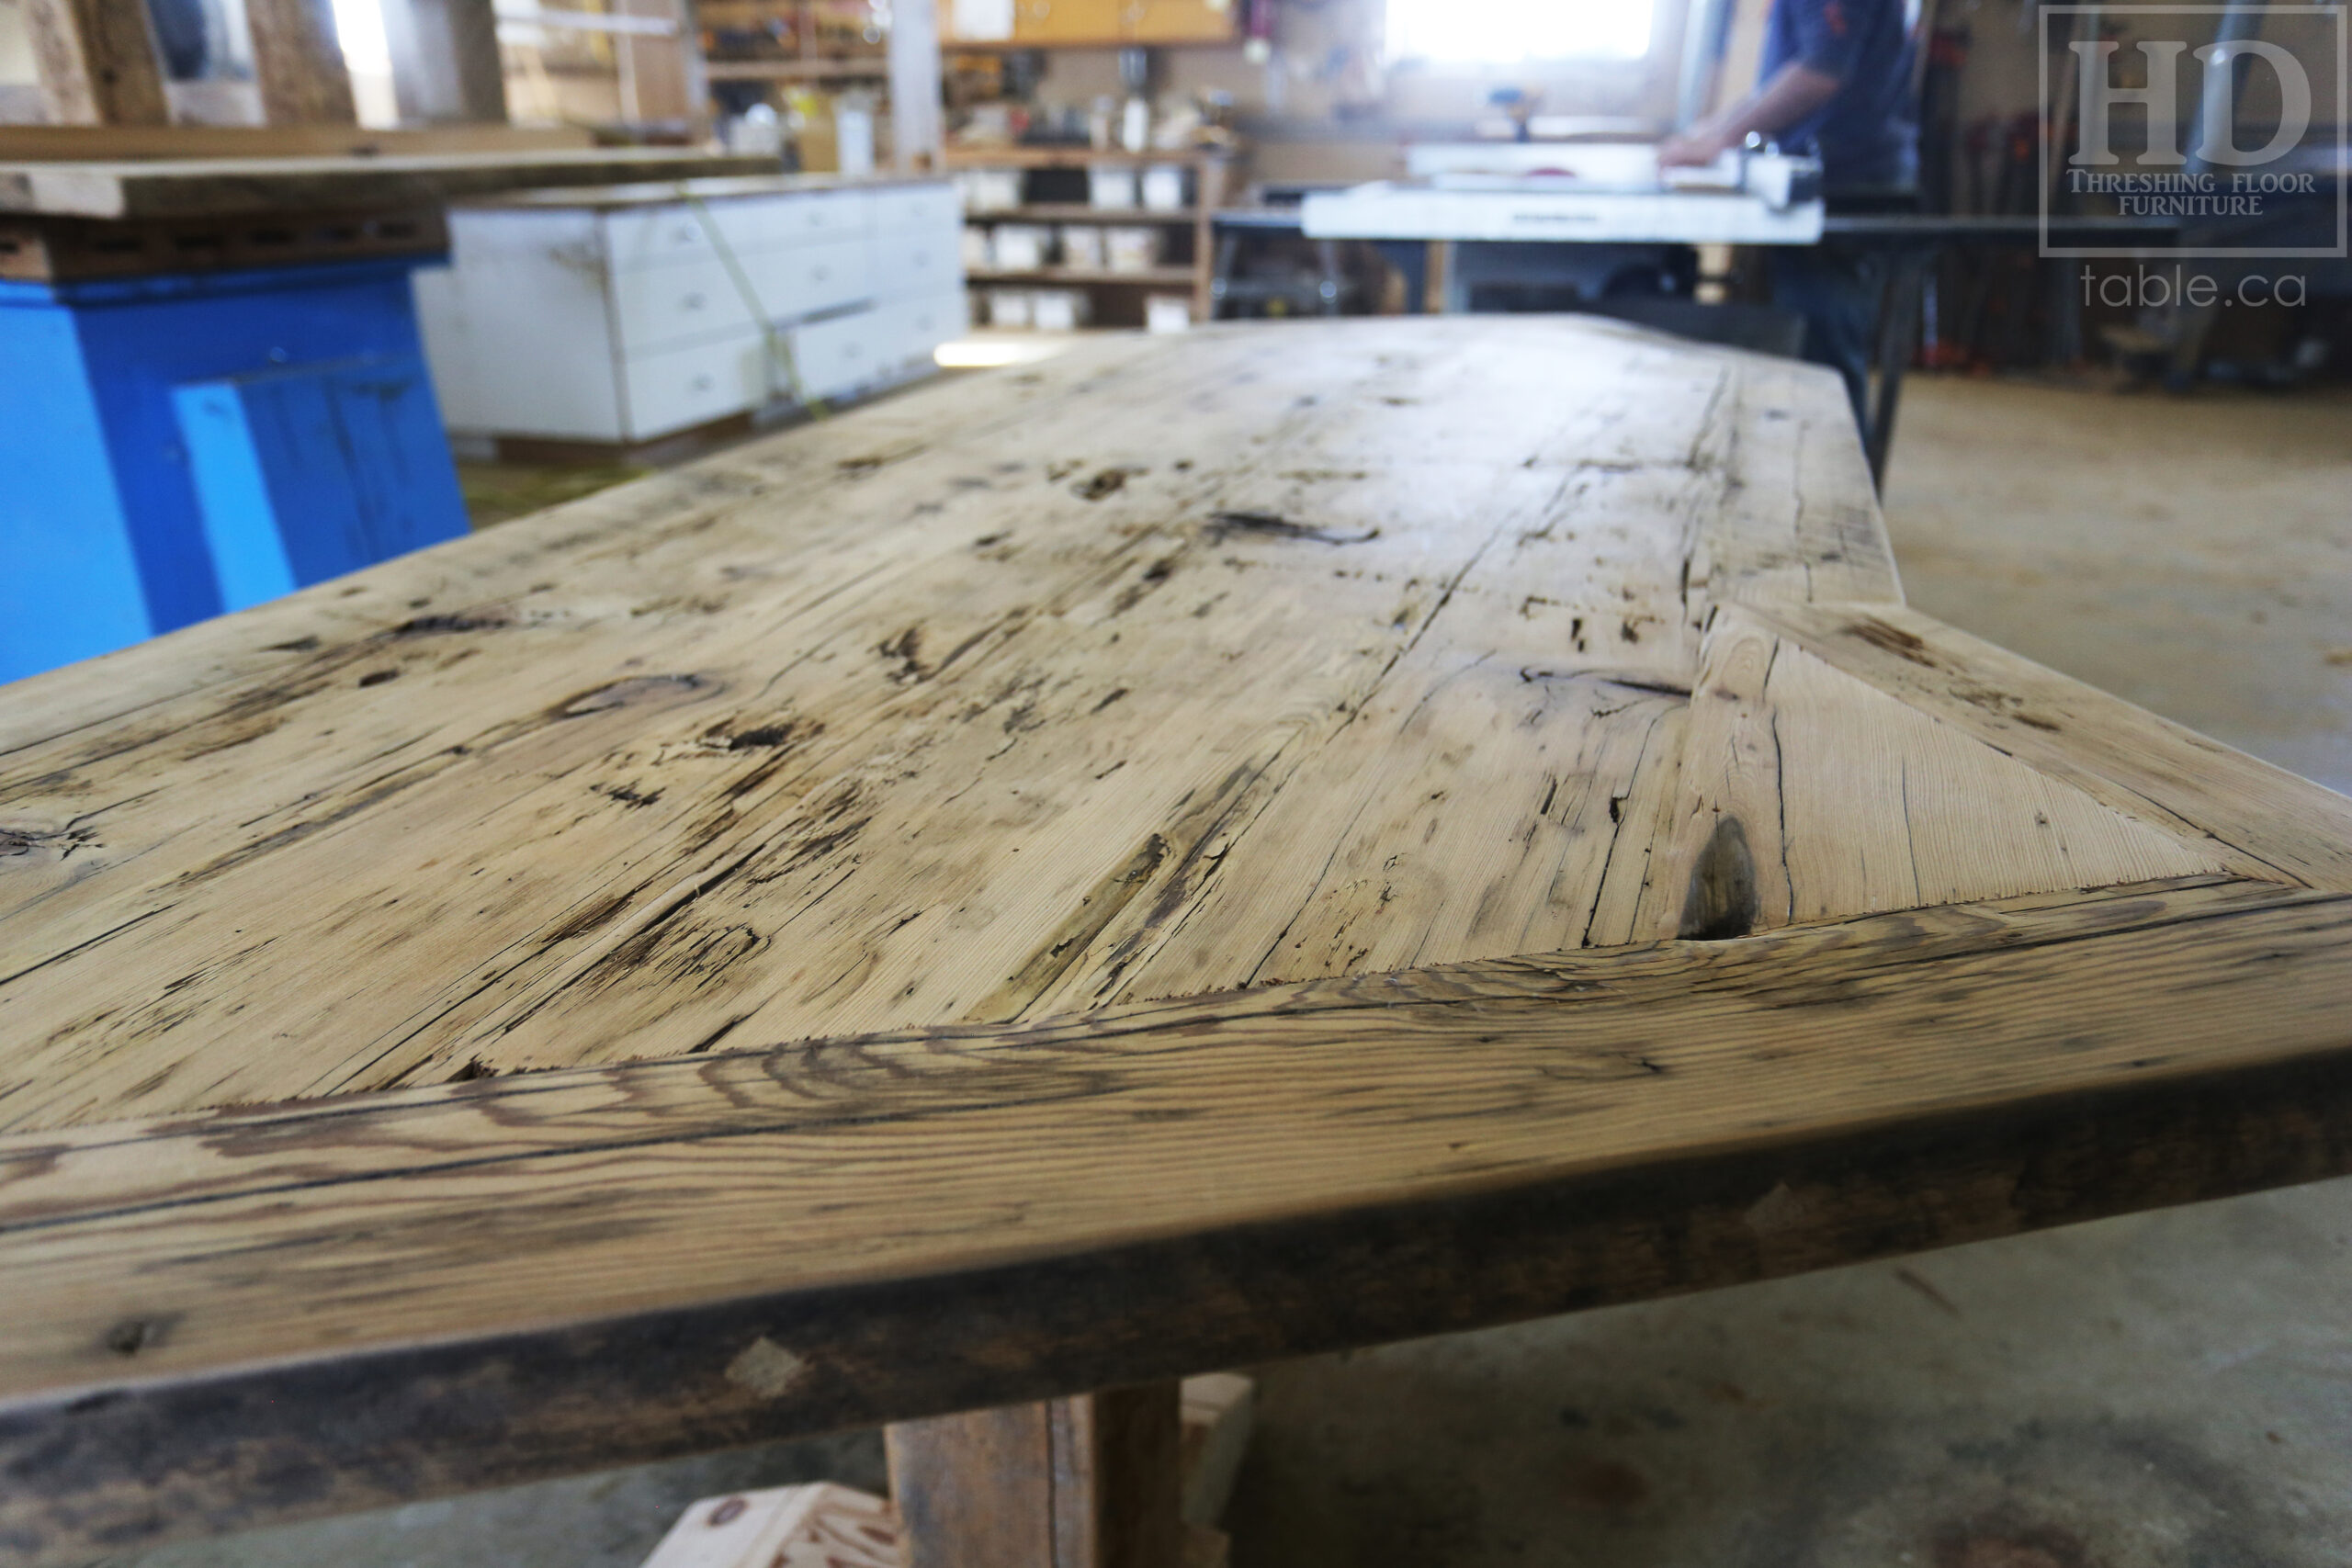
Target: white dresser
(613, 315)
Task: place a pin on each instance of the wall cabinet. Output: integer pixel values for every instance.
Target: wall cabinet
(1099, 23)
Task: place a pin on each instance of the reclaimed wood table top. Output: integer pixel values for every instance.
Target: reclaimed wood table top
(1199, 850)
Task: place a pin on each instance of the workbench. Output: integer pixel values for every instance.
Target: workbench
(1491, 245)
(1199, 850)
(217, 389)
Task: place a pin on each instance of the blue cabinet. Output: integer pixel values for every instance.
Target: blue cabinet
(175, 446)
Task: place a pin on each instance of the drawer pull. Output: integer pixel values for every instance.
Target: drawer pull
(701, 383)
(693, 301)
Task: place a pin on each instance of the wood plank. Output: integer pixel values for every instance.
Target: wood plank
(1793, 518)
(976, 1489)
(1090, 1482)
(1078, 703)
(660, 78)
(298, 63)
(1809, 795)
(756, 1243)
(97, 61)
(49, 250)
(121, 143)
(2246, 811)
(1069, 157)
(445, 64)
(823, 1525)
(1302, 704)
(210, 186)
(820, 1526)
(1218, 1411)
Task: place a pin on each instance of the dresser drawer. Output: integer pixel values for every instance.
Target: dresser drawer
(847, 351)
(675, 387)
(807, 217)
(912, 328)
(652, 236)
(688, 302)
(916, 206)
(807, 279)
(917, 262)
(658, 236)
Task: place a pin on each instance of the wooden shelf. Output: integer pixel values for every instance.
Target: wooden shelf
(877, 69)
(1165, 276)
(1213, 169)
(1075, 157)
(1080, 212)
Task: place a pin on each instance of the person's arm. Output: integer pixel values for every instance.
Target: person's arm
(1796, 91)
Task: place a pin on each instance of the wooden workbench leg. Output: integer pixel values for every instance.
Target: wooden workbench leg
(1086, 1483)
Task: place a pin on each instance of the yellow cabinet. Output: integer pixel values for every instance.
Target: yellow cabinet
(1064, 21)
(1176, 21)
(1046, 23)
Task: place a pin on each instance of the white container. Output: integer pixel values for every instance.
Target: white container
(1167, 313)
(1111, 185)
(1010, 308)
(1059, 309)
(1082, 246)
(1163, 188)
(853, 135)
(1133, 248)
(989, 190)
(756, 133)
(976, 248)
(1019, 247)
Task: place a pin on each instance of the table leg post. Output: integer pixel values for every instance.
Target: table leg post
(1093, 1482)
(1898, 330)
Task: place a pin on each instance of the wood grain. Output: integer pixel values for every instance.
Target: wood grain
(1096, 1481)
(97, 61)
(751, 1244)
(298, 63)
(1838, 799)
(1049, 711)
(1224, 848)
(819, 1526)
(2261, 820)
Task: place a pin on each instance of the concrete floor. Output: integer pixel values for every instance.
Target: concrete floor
(2193, 554)
(2168, 1391)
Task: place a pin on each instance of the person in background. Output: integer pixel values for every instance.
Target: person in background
(183, 37)
(1837, 81)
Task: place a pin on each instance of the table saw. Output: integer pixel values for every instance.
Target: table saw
(1597, 193)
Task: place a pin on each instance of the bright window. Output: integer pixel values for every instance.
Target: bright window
(1506, 32)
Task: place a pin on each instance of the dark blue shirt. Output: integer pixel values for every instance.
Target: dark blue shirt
(1867, 136)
